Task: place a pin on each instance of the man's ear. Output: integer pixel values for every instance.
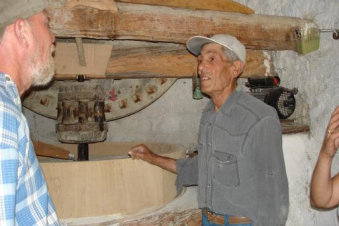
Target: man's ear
(22, 32)
(238, 67)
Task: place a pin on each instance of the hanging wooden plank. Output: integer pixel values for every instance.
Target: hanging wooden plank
(66, 60)
(135, 59)
(218, 5)
(166, 24)
(80, 48)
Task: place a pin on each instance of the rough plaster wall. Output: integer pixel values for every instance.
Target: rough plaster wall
(175, 116)
(316, 76)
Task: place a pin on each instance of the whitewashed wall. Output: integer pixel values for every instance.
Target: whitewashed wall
(316, 76)
(175, 116)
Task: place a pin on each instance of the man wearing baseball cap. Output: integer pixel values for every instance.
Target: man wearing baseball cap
(26, 46)
(239, 169)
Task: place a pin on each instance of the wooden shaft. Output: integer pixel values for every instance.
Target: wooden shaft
(176, 25)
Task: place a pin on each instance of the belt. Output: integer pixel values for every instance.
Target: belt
(220, 219)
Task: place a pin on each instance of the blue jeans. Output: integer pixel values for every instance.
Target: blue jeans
(205, 222)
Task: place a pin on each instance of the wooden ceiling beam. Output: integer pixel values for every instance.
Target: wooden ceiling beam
(176, 25)
(131, 59)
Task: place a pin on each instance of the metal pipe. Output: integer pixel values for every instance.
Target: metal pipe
(83, 152)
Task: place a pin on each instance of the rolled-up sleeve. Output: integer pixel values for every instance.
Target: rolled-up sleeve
(187, 170)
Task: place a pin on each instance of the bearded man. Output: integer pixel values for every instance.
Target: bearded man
(26, 46)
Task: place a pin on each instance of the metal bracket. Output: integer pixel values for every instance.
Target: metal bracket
(335, 34)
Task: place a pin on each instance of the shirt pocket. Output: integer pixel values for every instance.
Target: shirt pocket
(226, 169)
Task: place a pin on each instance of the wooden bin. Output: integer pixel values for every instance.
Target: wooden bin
(109, 183)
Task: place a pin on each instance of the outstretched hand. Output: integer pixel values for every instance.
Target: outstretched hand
(142, 152)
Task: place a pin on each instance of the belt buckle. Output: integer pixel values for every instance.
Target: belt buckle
(214, 217)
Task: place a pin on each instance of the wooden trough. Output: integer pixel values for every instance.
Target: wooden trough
(109, 183)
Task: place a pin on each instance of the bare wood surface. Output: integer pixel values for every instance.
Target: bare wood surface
(80, 49)
(166, 24)
(218, 5)
(289, 126)
(128, 59)
(110, 186)
(48, 150)
(66, 60)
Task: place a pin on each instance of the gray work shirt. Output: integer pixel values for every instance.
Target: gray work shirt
(240, 162)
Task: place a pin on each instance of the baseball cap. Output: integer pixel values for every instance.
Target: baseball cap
(195, 44)
(10, 10)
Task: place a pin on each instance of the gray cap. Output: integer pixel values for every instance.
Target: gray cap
(195, 44)
(10, 10)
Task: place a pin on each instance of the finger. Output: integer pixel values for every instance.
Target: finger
(336, 143)
(332, 128)
(333, 124)
(334, 116)
(336, 111)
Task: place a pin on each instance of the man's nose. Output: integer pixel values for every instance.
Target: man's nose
(201, 66)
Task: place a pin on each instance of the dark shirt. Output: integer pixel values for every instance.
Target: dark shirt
(240, 168)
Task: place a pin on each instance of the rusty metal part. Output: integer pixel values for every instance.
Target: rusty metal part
(122, 97)
(81, 116)
(335, 35)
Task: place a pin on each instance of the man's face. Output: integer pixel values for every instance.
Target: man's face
(214, 70)
(42, 62)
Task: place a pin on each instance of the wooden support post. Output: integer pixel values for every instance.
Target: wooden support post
(81, 54)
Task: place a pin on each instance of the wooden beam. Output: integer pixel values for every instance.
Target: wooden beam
(48, 150)
(218, 5)
(128, 59)
(97, 4)
(166, 24)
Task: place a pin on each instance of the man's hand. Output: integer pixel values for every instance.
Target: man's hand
(142, 152)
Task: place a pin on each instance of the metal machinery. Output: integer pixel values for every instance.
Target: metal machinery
(268, 90)
(82, 108)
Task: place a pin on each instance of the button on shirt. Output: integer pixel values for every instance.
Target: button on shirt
(24, 199)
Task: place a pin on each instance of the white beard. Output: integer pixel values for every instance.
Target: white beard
(42, 73)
